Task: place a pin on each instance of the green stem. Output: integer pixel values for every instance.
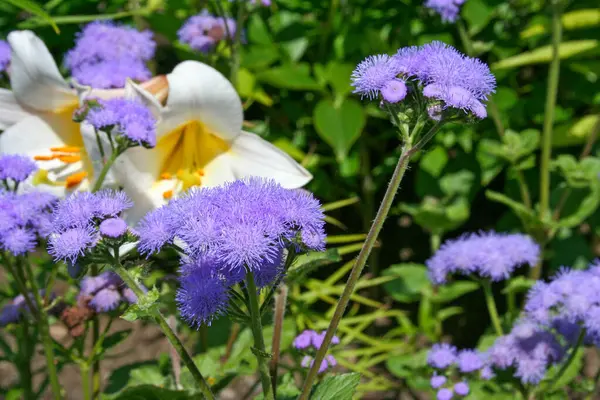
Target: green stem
(384, 208)
(169, 333)
(235, 46)
(24, 362)
(44, 333)
(85, 382)
(280, 304)
(259, 340)
(98, 185)
(95, 337)
(552, 90)
(525, 195)
(566, 365)
(491, 306)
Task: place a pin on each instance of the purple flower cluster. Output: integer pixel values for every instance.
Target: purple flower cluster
(529, 348)
(106, 54)
(448, 78)
(571, 300)
(310, 341)
(5, 54)
(80, 222)
(226, 231)
(447, 9)
(130, 119)
(105, 292)
(16, 168)
(24, 218)
(12, 312)
(490, 255)
(203, 31)
(265, 3)
(444, 357)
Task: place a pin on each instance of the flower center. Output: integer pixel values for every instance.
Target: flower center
(185, 152)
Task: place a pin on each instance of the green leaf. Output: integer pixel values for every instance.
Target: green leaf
(340, 387)
(145, 307)
(35, 9)
(577, 173)
(448, 312)
(149, 392)
(434, 161)
(571, 373)
(404, 365)
(306, 263)
(114, 339)
(439, 216)
(454, 290)
(477, 14)
(411, 280)
(290, 76)
(543, 54)
(574, 133)
(340, 126)
(518, 284)
(577, 19)
(527, 216)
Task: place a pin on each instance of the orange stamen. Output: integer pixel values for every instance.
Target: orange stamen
(69, 159)
(166, 175)
(200, 172)
(168, 194)
(66, 149)
(75, 179)
(44, 158)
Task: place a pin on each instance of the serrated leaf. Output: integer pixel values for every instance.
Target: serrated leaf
(149, 392)
(543, 54)
(340, 387)
(144, 307)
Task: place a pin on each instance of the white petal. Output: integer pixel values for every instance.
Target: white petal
(32, 135)
(135, 91)
(11, 111)
(253, 156)
(219, 170)
(34, 78)
(198, 92)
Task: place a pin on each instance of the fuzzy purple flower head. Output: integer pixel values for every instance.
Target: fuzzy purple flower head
(128, 118)
(106, 54)
(442, 356)
(203, 31)
(378, 75)
(328, 362)
(5, 55)
(447, 9)
(105, 292)
(490, 255)
(16, 168)
(311, 340)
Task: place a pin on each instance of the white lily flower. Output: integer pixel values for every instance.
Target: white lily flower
(37, 118)
(200, 143)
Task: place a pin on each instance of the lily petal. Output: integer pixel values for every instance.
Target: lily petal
(135, 91)
(35, 79)
(198, 92)
(252, 156)
(11, 111)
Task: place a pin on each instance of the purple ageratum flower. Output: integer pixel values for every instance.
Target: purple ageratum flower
(203, 31)
(16, 167)
(265, 3)
(112, 203)
(12, 312)
(442, 356)
(529, 348)
(18, 241)
(203, 293)
(461, 388)
(469, 361)
(71, 244)
(113, 227)
(106, 41)
(76, 211)
(491, 255)
(447, 9)
(444, 394)
(437, 381)
(5, 54)
(458, 81)
(129, 118)
(408, 61)
(243, 224)
(105, 291)
(378, 75)
(304, 340)
(328, 361)
(111, 73)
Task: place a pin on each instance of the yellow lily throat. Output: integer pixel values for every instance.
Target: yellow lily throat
(185, 152)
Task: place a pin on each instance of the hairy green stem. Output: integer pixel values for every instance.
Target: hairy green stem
(525, 195)
(44, 332)
(96, 381)
(551, 94)
(280, 304)
(259, 341)
(111, 160)
(569, 361)
(491, 306)
(169, 333)
(24, 362)
(356, 271)
(85, 382)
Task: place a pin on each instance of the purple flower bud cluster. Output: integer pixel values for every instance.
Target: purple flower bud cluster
(310, 341)
(447, 9)
(24, 218)
(529, 348)
(106, 54)
(83, 219)
(444, 76)
(12, 312)
(489, 255)
(5, 54)
(105, 292)
(128, 118)
(445, 358)
(16, 168)
(203, 31)
(228, 230)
